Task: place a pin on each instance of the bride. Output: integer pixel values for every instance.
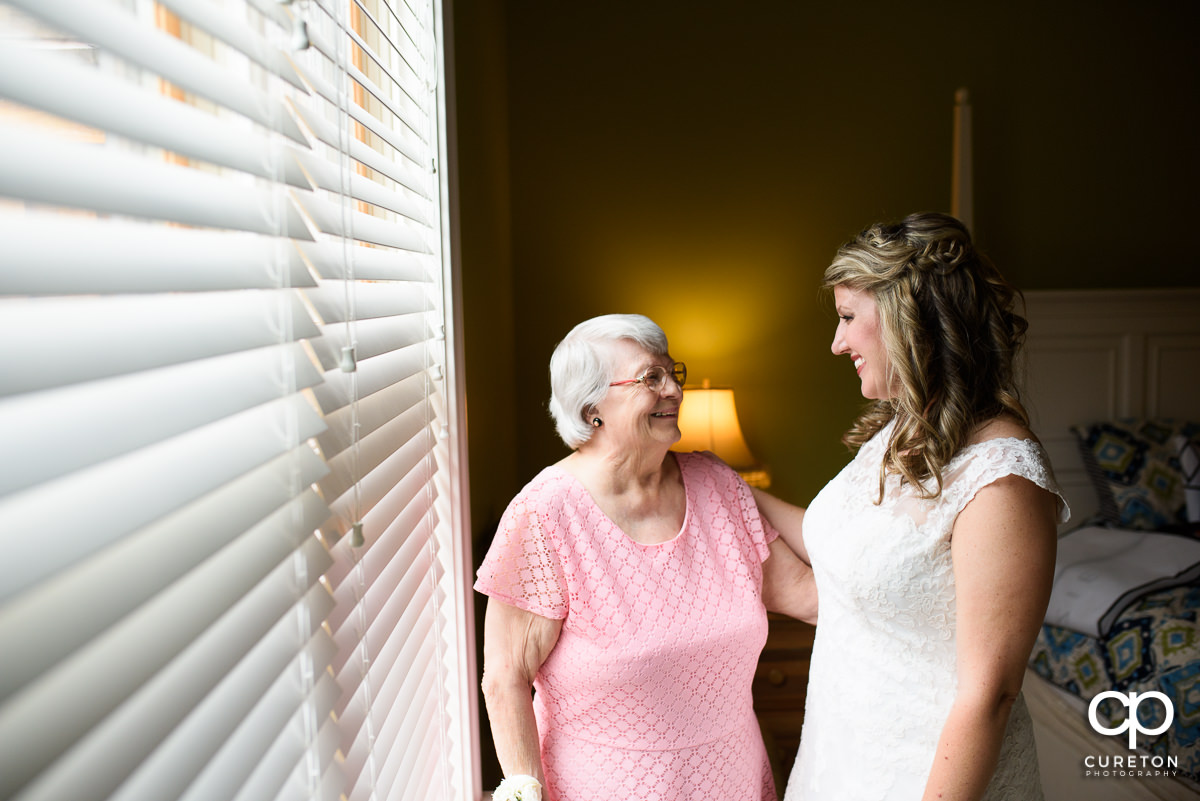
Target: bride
(933, 550)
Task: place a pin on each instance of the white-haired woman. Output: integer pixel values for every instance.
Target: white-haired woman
(626, 587)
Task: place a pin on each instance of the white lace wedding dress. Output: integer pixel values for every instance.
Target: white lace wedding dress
(883, 673)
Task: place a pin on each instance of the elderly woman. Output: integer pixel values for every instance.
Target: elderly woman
(626, 588)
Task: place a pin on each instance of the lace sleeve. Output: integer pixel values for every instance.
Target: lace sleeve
(736, 493)
(522, 567)
(762, 533)
(986, 462)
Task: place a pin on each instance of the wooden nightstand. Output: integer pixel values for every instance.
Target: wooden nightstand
(779, 689)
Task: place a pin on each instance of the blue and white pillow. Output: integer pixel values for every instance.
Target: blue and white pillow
(1136, 468)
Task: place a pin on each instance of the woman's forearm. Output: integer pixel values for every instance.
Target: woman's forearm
(968, 750)
(515, 644)
(514, 729)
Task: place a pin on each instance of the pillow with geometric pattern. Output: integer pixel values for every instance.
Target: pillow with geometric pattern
(1134, 465)
(1189, 463)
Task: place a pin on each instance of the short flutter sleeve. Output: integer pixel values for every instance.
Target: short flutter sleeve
(987, 462)
(717, 486)
(523, 567)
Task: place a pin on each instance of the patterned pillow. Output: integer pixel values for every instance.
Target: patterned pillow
(1189, 462)
(1134, 465)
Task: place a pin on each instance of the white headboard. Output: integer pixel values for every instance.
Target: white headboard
(1097, 354)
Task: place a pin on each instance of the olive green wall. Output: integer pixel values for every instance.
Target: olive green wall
(699, 162)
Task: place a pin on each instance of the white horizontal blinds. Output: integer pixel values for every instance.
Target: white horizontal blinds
(233, 571)
(377, 207)
(161, 605)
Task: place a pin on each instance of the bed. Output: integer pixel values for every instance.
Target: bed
(1112, 382)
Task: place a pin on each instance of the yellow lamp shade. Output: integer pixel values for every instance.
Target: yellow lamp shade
(708, 420)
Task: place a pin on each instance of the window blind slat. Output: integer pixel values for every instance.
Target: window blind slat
(398, 71)
(412, 115)
(86, 338)
(91, 508)
(104, 179)
(359, 707)
(91, 688)
(403, 31)
(403, 106)
(49, 255)
(246, 748)
(387, 483)
(414, 152)
(397, 171)
(183, 754)
(417, 717)
(297, 785)
(371, 338)
(329, 260)
(90, 97)
(273, 10)
(349, 424)
(403, 556)
(419, 771)
(400, 761)
(333, 220)
(374, 449)
(237, 34)
(339, 301)
(404, 622)
(373, 375)
(108, 25)
(77, 602)
(401, 545)
(122, 413)
(408, 140)
(326, 176)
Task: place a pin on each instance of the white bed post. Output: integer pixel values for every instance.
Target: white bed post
(962, 199)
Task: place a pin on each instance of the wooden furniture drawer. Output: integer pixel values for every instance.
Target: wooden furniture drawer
(781, 680)
(779, 688)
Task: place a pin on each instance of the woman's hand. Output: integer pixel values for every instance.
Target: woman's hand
(1003, 546)
(515, 644)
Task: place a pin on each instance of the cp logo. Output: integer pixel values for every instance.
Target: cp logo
(1131, 701)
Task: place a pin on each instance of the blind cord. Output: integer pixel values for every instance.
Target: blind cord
(343, 20)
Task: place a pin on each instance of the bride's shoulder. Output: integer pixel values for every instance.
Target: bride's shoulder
(1001, 427)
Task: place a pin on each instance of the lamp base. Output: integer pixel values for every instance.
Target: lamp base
(760, 477)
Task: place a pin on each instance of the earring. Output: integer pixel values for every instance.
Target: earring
(597, 422)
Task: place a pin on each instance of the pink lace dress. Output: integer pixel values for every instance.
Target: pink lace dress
(646, 695)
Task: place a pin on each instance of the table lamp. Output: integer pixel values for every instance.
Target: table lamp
(709, 422)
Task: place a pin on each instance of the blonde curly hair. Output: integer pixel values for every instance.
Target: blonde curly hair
(951, 333)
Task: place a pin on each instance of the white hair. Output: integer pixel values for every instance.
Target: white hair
(581, 368)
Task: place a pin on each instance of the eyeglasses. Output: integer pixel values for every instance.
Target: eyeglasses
(654, 377)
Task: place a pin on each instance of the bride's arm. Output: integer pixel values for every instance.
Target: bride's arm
(788, 584)
(787, 519)
(1003, 547)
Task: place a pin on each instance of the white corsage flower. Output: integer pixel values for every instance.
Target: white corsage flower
(518, 788)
